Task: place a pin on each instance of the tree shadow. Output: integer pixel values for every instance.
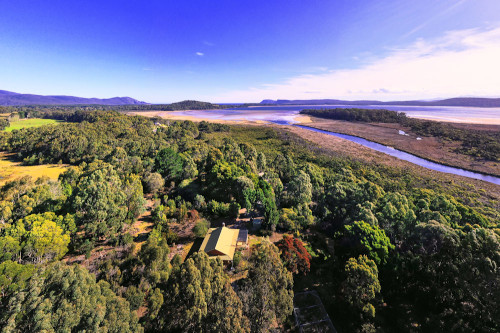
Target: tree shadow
(195, 248)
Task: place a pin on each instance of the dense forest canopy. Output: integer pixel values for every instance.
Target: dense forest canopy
(387, 249)
(480, 144)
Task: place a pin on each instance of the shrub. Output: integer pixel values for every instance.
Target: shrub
(201, 228)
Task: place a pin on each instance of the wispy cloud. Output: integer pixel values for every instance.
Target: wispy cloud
(207, 43)
(434, 18)
(460, 63)
(200, 54)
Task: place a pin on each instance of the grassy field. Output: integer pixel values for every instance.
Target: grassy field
(25, 123)
(10, 170)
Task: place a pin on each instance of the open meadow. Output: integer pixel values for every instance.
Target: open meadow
(26, 123)
(10, 169)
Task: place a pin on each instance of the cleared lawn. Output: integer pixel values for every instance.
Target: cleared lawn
(25, 123)
(10, 170)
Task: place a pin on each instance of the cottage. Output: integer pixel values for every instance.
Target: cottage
(222, 242)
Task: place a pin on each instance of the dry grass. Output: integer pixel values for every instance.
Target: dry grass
(10, 170)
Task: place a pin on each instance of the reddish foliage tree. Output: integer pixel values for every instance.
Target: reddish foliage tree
(294, 255)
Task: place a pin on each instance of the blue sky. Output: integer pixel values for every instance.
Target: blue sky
(245, 51)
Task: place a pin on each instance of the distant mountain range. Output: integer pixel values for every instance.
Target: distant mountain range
(8, 98)
(458, 101)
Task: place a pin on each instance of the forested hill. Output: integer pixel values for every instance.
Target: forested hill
(458, 101)
(178, 106)
(12, 98)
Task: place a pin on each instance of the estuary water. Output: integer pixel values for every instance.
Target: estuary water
(287, 114)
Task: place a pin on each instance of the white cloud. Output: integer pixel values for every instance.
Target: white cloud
(200, 54)
(460, 63)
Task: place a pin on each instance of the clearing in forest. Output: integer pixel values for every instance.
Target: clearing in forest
(25, 123)
(10, 170)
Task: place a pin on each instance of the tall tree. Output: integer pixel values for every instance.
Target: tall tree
(361, 286)
(169, 163)
(99, 201)
(364, 238)
(199, 298)
(266, 293)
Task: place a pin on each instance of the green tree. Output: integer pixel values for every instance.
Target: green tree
(99, 202)
(265, 194)
(189, 169)
(10, 247)
(295, 219)
(363, 238)
(261, 162)
(299, 190)
(66, 222)
(245, 192)
(266, 293)
(154, 259)
(13, 278)
(64, 298)
(134, 196)
(201, 228)
(200, 299)
(396, 216)
(45, 241)
(153, 182)
(169, 163)
(361, 286)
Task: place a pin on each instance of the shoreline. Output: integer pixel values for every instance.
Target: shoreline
(301, 119)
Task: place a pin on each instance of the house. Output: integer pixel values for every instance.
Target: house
(222, 243)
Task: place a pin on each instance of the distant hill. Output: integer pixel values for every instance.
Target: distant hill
(458, 101)
(9, 98)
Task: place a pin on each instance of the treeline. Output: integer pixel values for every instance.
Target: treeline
(37, 110)
(424, 256)
(477, 143)
(355, 114)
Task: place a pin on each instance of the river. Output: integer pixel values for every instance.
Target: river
(409, 157)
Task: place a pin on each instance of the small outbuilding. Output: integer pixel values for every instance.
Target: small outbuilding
(242, 238)
(256, 224)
